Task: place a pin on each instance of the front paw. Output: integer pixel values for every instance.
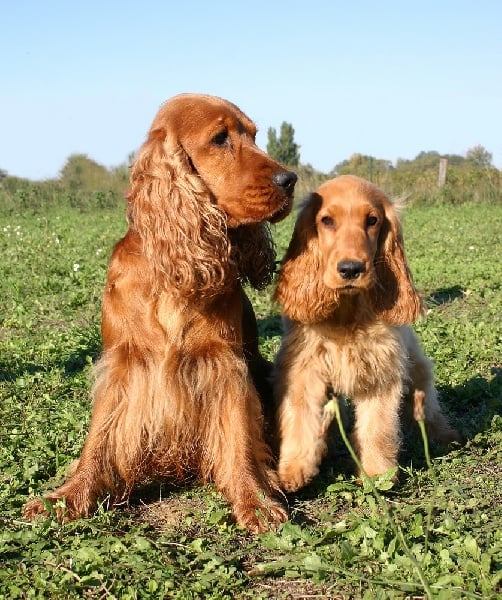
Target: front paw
(260, 516)
(294, 475)
(45, 507)
(64, 505)
(378, 467)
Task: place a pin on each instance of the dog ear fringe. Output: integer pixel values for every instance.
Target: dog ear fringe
(394, 297)
(183, 233)
(300, 290)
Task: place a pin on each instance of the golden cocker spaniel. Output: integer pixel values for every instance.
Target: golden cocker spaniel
(348, 297)
(174, 396)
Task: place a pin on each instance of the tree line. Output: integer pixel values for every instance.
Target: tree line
(84, 183)
(472, 177)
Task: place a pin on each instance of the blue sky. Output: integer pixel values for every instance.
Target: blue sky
(389, 78)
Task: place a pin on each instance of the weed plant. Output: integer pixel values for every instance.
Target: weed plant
(436, 534)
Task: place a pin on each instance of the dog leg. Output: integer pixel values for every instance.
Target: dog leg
(79, 494)
(242, 462)
(436, 424)
(96, 471)
(376, 437)
(421, 392)
(300, 423)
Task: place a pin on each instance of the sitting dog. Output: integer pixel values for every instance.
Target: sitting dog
(347, 296)
(176, 386)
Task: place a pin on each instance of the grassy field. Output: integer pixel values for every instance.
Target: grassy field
(438, 534)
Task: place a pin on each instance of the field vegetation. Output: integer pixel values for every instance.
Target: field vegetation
(437, 534)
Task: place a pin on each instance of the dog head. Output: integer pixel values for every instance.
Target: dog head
(199, 174)
(347, 241)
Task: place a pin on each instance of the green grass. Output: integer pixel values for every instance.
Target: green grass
(181, 543)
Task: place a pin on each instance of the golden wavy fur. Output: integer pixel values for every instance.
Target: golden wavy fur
(174, 395)
(348, 297)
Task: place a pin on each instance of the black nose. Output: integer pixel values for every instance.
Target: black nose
(285, 180)
(350, 269)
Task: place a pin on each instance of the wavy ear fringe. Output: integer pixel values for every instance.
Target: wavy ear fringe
(300, 289)
(254, 252)
(394, 297)
(183, 233)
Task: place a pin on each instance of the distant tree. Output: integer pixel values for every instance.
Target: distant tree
(283, 148)
(479, 156)
(422, 161)
(364, 166)
(454, 160)
(82, 173)
(425, 161)
(131, 157)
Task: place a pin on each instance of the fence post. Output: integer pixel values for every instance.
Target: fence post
(443, 164)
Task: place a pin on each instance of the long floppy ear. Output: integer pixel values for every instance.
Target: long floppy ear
(394, 297)
(254, 252)
(183, 233)
(300, 289)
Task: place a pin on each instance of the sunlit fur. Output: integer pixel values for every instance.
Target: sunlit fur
(174, 396)
(348, 336)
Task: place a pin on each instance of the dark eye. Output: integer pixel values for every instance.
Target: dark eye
(328, 222)
(371, 221)
(220, 139)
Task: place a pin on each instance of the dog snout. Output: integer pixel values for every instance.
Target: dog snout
(350, 269)
(285, 180)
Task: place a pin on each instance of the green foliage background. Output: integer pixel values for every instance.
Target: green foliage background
(55, 241)
(283, 147)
